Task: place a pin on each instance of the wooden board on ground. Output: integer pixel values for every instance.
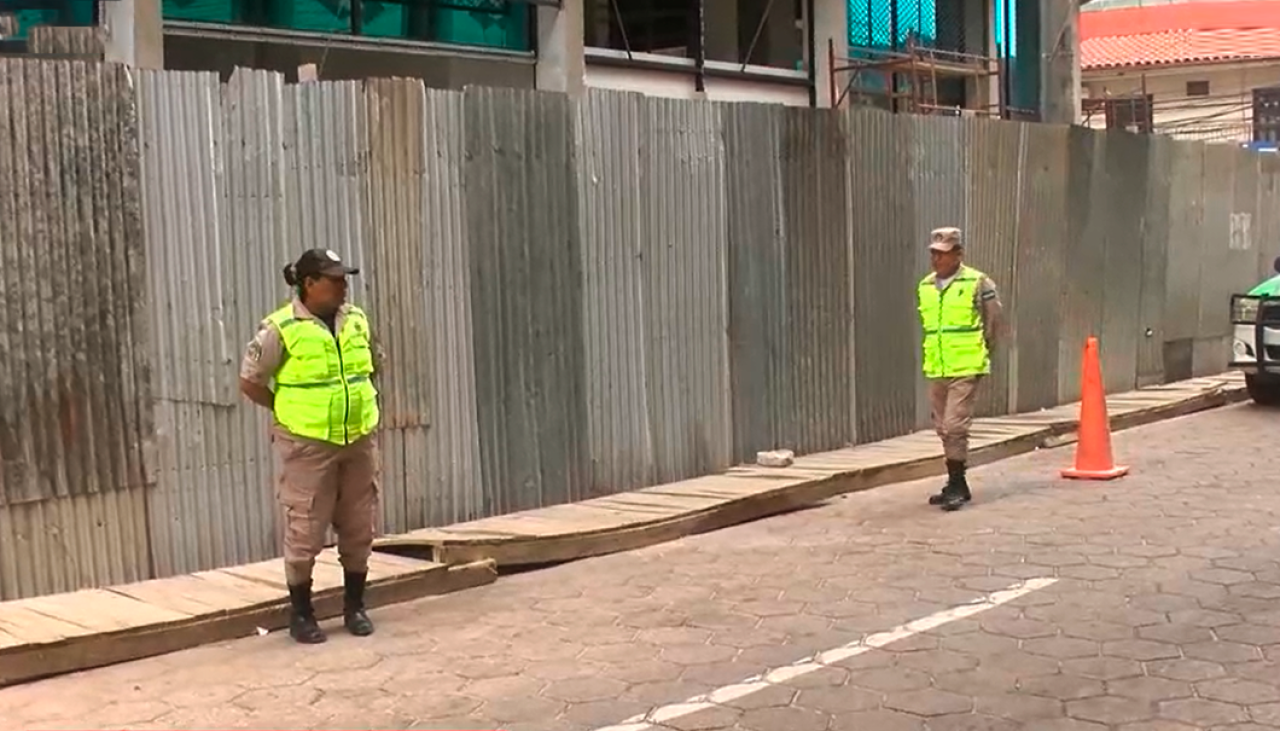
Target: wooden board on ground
(665, 512)
(63, 633)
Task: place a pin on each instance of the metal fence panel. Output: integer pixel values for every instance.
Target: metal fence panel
(213, 187)
(76, 542)
(390, 116)
(992, 238)
(452, 487)
(1085, 254)
(939, 164)
(1267, 223)
(1123, 199)
(76, 365)
(1156, 231)
(1242, 239)
(255, 187)
(1209, 350)
(1182, 282)
(75, 379)
(1220, 182)
(1230, 181)
(526, 298)
(610, 131)
(885, 272)
(327, 186)
(686, 292)
(1037, 284)
(817, 312)
(757, 256)
(182, 139)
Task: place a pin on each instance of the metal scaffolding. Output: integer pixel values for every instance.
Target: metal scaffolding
(906, 80)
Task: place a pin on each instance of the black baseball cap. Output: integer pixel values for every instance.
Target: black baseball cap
(321, 263)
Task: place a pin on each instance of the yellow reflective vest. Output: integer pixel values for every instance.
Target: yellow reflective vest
(955, 345)
(323, 389)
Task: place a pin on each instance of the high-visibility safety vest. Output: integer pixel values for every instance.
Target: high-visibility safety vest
(954, 343)
(323, 389)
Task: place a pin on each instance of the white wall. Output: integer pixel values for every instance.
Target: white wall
(1226, 114)
(678, 83)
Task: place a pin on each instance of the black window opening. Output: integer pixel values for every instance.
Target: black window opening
(1197, 88)
(665, 27)
(1266, 114)
(1132, 113)
(769, 33)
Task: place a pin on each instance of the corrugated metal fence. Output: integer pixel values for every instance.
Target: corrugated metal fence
(577, 297)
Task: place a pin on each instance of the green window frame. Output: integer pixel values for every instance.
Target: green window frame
(77, 13)
(499, 24)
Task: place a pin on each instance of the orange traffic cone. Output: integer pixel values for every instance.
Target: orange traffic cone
(1093, 451)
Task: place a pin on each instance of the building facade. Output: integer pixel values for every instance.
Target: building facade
(1207, 70)
(979, 55)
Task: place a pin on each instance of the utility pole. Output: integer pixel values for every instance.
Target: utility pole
(1060, 61)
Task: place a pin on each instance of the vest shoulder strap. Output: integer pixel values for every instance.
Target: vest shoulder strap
(355, 314)
(282, 317)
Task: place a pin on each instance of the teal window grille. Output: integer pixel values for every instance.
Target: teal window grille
(79, 13)
(499, 24)
(886, 24)
(941, 24)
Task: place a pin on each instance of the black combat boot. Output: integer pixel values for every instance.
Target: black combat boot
(962, 482)
(958, 488)
(353, 615)
(302, 621)
(954, 473)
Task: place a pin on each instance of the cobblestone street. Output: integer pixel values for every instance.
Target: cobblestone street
(1164, 616)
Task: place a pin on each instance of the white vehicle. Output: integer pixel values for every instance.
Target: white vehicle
(1255, 347)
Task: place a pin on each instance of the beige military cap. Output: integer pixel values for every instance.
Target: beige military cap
(945, 239)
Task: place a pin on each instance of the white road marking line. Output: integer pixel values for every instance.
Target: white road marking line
(826, 659)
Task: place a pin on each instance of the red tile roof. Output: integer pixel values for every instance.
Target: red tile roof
(1164, 35)
(1179, 46)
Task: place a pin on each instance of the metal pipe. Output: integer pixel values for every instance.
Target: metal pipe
(811, 52)
(622, 27)
(700, 43)
(831, 72)
(1009, 52)
(764, 18)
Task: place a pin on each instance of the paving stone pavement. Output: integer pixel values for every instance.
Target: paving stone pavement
(1165, 617)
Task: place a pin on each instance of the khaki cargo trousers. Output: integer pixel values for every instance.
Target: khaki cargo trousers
(321, 485)
(951, 405)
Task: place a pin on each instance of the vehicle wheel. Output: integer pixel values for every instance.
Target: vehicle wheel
(1263, 391)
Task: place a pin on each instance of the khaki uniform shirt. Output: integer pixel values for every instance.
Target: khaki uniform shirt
(265, 353)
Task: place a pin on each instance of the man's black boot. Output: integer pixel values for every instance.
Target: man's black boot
(957, 492)
(353, 614)
(953, 474)
(962, 482)
(302, 620)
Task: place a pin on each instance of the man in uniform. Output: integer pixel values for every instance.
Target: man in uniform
(320, 353)
(960, 314)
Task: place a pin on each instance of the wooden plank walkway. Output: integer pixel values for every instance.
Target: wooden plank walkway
(665, 512)
(63, 633)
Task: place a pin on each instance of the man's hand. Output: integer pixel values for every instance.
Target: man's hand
(257, 393)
